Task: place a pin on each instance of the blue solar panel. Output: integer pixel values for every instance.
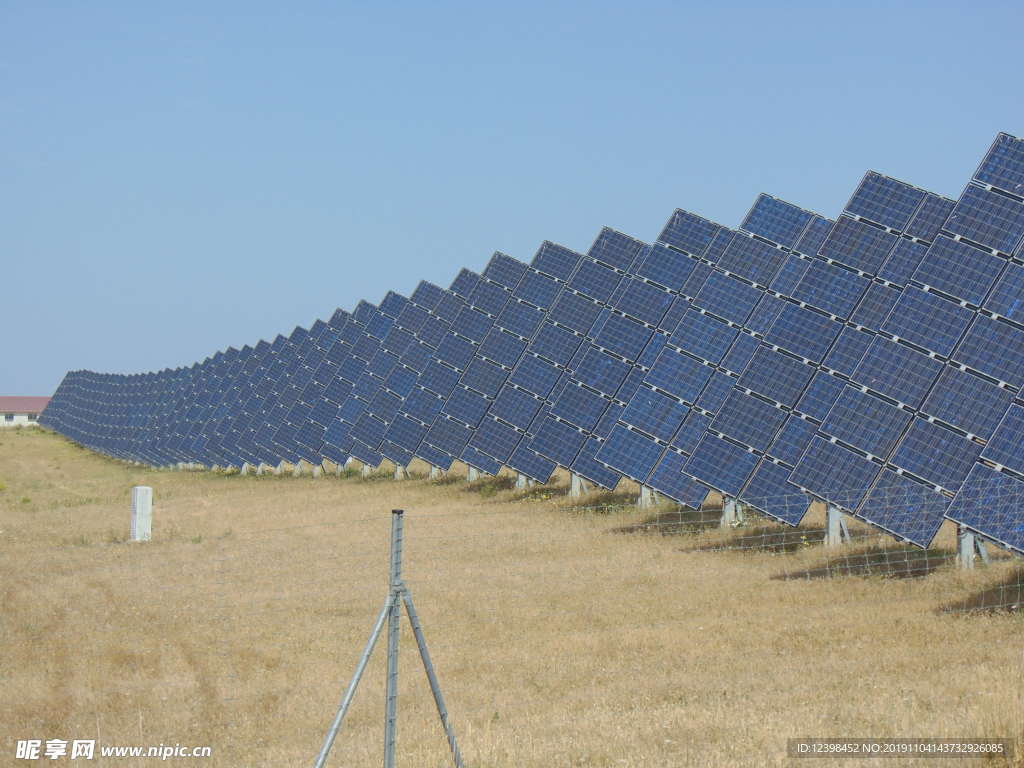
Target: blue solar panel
(803, 332)
(668, 479)
(679, 375)
(703, 336)
(875, 306)
(602, 372)
(831, 288)
(866, 422)
(579, 406)
(770, 491)
(644, 302)
(721, 464)
(520, 318)
(1003, 165)
(905, 507)
(1006, 447)
(792, 439)
(538, 289)
(930, 216)
(465, 405)
(555, 260)
(897, 371)
(535, 375)
(858, 245)
(749, 420)
(505, 270)
(665, 266)
(531, 464)
(689, 434)
(1007, 297)
(588, 467)
(835, 473)
(776, 220)
(739, 355)
(595, 280)
(928, 320)
(654, 414)
(885, 201)
(937, 454)
(988, 218)
(959, 269)
(990, 502)
(995, 348)
(752, 259)
(715, 391)
(496, 439)
(689, 232)
(557, 441)
(967, 401)
(623, 336)
(631, 453)
(848, 351)
(727, 297)
(575, 311)
(790, 274)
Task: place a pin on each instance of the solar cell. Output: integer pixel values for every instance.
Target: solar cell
(928, 320)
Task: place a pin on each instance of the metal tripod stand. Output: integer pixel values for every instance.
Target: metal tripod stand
(398, 594)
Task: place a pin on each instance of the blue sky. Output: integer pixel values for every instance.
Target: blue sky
(182, 177)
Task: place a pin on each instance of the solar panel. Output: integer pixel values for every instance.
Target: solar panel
(946, 408)
(561, 368)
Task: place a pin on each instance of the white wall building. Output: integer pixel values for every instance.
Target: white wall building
(21, 411)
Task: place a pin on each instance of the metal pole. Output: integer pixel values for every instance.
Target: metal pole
(965, 547)
(421, 641)
(391, 697)
(346, 700)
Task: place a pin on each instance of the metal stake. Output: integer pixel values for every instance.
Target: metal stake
(391, 698)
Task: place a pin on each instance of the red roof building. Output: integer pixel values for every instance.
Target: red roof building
(21, 411)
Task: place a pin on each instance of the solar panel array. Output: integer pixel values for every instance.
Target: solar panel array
(875, 362)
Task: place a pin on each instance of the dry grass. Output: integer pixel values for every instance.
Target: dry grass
(556, 642)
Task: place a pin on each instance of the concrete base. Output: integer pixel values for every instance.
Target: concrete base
(577, 485)
(366, 470)
(523, 482)
(968, 546)
(300, 468)
(836, 532)
(142, 513)
(318, 470)
(279, 469)
(647, 497)
(472, 474)
(401, 473)
(436, 473)
(732, 513)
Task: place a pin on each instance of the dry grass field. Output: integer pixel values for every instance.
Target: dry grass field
(557, 641)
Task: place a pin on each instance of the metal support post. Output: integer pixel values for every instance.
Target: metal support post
(318, 470)
(472, 475)
(401, 473)
(836, 531)
(299, 468)
(522, 481)
(436, 473)
(577, 485)
(646, 498)
(398, 594)
(365, 470)
(279, 469)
